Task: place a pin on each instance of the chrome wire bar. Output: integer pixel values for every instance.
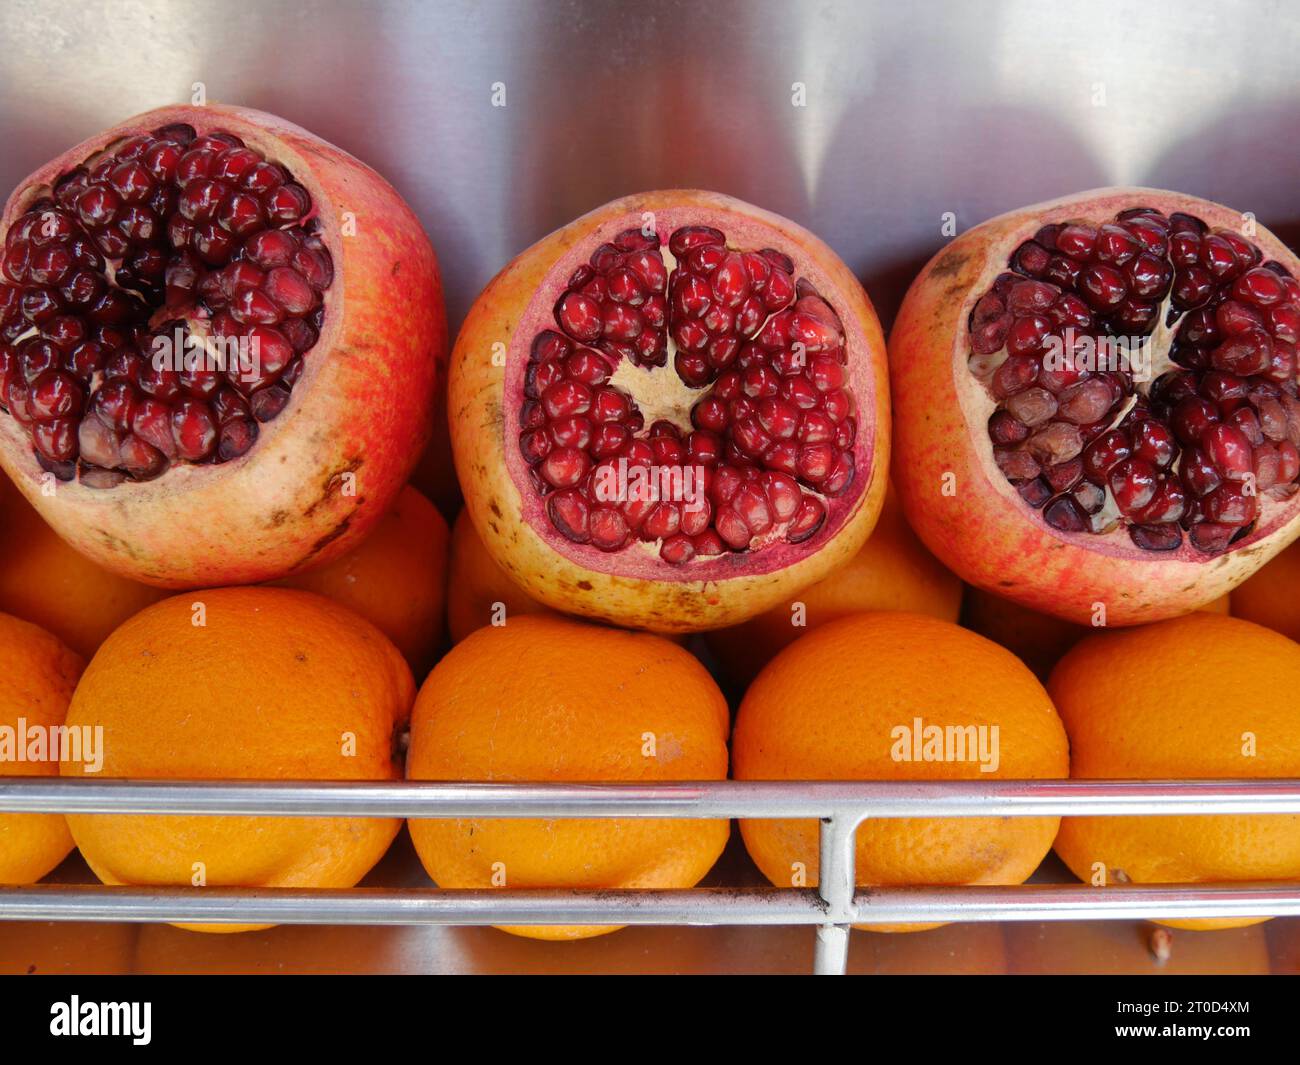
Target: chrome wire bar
(692, 906)
(852, 800)
(833, 907)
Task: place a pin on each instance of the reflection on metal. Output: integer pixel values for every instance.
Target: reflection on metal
(980, 107)
(833, 907)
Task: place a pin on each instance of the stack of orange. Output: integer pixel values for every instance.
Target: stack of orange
(241, 683)
(546, 699)
(859, 699)
(37, 677)
(1203, 696)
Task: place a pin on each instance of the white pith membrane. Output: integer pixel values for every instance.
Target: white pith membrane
(156, 305)
(680, 352)
(1198, 451)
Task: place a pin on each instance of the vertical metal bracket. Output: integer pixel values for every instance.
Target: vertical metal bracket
(835, 884)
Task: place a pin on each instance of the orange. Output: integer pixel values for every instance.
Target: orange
(547, 699)
(893, 571)
(1272, 597)
(396, 578)
(1038, 640)
(1199, 696)
(479, 592)
(251, 683)
(858, 699)
(47, 582)
(37, 677)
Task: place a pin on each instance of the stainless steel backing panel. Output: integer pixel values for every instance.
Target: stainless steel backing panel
(867, 122)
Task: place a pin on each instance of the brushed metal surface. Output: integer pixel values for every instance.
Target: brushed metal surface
(909, 112)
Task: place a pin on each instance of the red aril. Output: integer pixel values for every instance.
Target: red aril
(1166, 370)
(722, 352)
(219, 342)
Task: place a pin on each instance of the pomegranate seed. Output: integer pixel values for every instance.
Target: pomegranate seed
(1168, 505)
(286, 204)
(1004, 428)
(1064, 514)
(1085, 402)
(1233, 319)
(579, 316)
(1211, 537)
(1031, 258)
(1115, 245)
(1133, 483)
(194, 430)
(1198, 473)
(1245, 354)
(1102, 286)
(1229, 505)
(1033, 406)
(1104, 453)
(1156, 537)
(1229, 449)
(1015, 465)
(570, 513)
(1219, 257)
(1153, 442)
(1076, 241)
(808, 519)
(267, 403)
(1055, 442)
(1192, 417)
(564, 467)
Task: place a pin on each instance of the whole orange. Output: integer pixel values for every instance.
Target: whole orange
(892, 571)
(1038, 640)
(396, 578)
(37, 676)
(479, 592)
(858, 699)
(1272, 597)
(547, 699)
(242, 683)
(1199, 696)
(47, 582)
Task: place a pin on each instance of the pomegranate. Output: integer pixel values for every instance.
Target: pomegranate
(1097, 403)
(672, 413)
(219, 342)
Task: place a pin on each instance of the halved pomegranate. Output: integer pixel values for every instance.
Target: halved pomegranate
(219, 341)
(1110, 380)
(686, 416)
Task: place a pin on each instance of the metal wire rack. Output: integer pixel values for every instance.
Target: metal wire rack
(834, 906)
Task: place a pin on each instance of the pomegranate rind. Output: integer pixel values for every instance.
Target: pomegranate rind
(957, 499)
(325, 471)
(630, 590)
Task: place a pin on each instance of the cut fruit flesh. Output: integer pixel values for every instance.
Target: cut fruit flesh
(156, 307)
(689, 402)
(1192, 452)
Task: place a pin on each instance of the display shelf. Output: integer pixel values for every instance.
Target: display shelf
(831, 909)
